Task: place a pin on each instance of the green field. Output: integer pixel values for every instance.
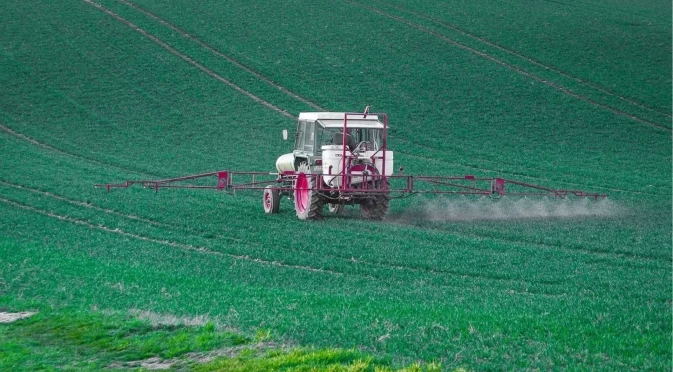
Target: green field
(563, 94)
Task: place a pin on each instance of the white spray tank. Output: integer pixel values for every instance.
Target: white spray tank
(285, 163)
(332, 163)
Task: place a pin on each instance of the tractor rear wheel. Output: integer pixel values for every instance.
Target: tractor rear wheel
(375, 208)
(335, 208)
(271, 200)
(308, 203)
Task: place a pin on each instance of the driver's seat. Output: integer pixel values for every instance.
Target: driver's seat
(337, 139)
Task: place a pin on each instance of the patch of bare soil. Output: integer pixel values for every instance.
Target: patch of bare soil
(157, 363)
(12, 317)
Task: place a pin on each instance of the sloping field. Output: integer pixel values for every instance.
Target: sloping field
(573, 95)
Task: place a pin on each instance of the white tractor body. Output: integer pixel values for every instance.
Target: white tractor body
(285, 163)
(318, 144)
(332, 164)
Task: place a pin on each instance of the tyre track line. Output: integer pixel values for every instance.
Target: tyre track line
(253, 259)
(222, 55)
(314, 105)
(185, 228)
(95, 207)
(560, 247)
(169, 243)
(529, 59)
(70, 154)
(345, 259)
(203, 44)
(509, 66)
(248, 258)
(190, 60)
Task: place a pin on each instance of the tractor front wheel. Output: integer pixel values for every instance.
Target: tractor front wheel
(271, 200)
(308, 203)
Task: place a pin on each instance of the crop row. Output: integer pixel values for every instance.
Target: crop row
(510, 147)
(98, 101)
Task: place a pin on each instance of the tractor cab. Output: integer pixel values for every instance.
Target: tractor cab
(315, 130)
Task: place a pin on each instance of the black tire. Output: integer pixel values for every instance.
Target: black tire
(375, 208)
(308, 203)
(271, 200)
(335, 208)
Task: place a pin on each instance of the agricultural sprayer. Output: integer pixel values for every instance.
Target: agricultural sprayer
(342, 158)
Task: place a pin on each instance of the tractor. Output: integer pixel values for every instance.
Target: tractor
(341, 158)
(338, 159)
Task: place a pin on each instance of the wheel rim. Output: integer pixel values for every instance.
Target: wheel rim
(301, 193)
(267, 200)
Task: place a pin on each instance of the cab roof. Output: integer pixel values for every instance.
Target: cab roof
(336, 119)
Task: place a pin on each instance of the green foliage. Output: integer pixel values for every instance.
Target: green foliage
(575, 96)
(329, 360)
(67, 338)
(70, 339)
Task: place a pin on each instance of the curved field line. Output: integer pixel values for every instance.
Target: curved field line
(350, 259)
(530, 60)
(63, 152)
(385, 265)
(95, 207)
(157, 40)
(560, 247)
(509, 66)
(49, 147)
(189, 59)
(203, 250)
(220, 54)
(169, 243)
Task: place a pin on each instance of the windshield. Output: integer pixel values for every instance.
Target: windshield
(331, 136)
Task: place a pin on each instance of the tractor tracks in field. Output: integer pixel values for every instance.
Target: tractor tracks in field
(248, 258)
(169, 243)
(190, 60)
(191, 231)
(90, 205)
(43, 145)
(263, 78)
(348, 260)
(222, 55)
(601, 253)
(511, 67)
(529, 59)
(422, 28)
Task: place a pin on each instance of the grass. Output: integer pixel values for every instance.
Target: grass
(95, 101)
(70, 339)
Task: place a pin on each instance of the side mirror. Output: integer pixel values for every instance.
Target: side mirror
(284, 134)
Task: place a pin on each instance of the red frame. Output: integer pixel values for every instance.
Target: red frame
(463, 185)
(343, 186)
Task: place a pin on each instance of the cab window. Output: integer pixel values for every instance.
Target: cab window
(299, 136)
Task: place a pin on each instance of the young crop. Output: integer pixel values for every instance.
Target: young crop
(471, 283)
